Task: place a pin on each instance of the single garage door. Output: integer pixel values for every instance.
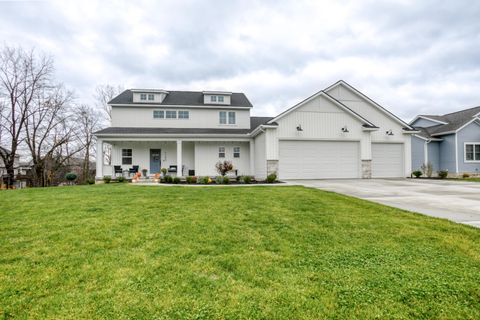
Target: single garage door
(387, 160)
(319, 159)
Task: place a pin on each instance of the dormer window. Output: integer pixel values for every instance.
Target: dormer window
(143, 96)
(220, 98)
(151, 97)
(213, 98)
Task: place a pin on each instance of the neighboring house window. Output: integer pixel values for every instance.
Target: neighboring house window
(231, 118)
(236, 152)
(143, 96)
(213, 98)
(221, 152)
(171, 114)
(472, 151)
(183, 114)
(220, 98)
(126, 156)
(151, 97)
(223, 117)
(158, 114)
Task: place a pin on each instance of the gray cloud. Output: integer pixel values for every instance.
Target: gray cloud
(411, 56)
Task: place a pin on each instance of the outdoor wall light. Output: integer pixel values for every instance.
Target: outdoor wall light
(299, 127)
(389, 132)
(345, 129)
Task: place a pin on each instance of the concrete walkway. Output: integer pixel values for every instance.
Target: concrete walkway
(458, 201)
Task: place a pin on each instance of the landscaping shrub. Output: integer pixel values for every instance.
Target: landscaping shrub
(168, 179)
(191, 179)
(164, 171)
(427, 169)
(91, 181)
(203, 180)
(71, 176)
(107, 179)
(442, 174)
(224, 167)
(271, 178)
(417, 173)
(222, 180)
(121, 179)
(176, 180)
(246, 179)
(465, 176)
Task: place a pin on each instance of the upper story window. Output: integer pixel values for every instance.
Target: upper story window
(213, 98)
(223, 119)
(183, 114)
(158, 114)
(221, 152)
(236, 152)
(126, 156)
(171, 114)
(231, 117)
(151, 97)
(220, 99)
(143, 96)
(472, 151)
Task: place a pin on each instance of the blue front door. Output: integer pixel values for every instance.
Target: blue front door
(155, 161)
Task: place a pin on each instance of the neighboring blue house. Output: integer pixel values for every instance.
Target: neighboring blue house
(449, 142)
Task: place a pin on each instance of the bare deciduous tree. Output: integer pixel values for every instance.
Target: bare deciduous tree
(22, 76)
(88, 121)
(103, 94)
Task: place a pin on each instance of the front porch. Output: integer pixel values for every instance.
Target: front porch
(183, 157)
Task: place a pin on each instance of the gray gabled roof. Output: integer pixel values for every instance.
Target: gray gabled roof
(454, 120)
(254, 123)
(182, 98)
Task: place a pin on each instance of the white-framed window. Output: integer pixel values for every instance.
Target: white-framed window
(236, 152)
(220, 98)
(143, 96)
(472, 151)
(171, 114)
(126, 156)
(213, 98)
(221, 152)
(151, 97)
(222, 117)
(158, 114)
(231, 117)
(183, 114)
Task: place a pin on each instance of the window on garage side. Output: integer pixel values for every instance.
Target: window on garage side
(236, 152)
(221, 152)
(472, 151)
(126, 156)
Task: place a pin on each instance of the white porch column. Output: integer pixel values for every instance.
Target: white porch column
(179, 158)
(99, 160)
(252, 157)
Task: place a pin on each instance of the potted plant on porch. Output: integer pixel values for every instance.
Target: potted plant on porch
(144, 171)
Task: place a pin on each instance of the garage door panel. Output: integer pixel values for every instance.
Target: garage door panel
(319, 159)
(387, 160)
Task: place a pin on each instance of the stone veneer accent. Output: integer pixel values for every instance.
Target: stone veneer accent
(272, 166)
(366, 169)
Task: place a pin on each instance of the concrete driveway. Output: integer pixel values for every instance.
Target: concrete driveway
(456, 201)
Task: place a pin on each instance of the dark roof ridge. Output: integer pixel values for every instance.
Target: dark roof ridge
(446, 114)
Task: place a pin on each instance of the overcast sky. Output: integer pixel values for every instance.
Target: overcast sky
(410, 56)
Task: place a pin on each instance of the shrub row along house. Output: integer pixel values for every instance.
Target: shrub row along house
(336, 133)
(448, 142)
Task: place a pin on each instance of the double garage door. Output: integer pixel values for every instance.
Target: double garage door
(337, 159)
(319, 159)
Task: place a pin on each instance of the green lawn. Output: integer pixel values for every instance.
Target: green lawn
(123, 251)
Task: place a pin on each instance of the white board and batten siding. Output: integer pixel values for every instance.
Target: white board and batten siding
(383, 146)
(321, 150)
(260, 156)
(319, 159)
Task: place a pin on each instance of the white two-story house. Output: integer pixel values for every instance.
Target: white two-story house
(336, 133)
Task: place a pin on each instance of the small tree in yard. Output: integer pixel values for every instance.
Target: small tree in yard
(224, 167)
